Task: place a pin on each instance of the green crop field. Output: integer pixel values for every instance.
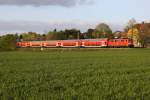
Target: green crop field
(105, 74)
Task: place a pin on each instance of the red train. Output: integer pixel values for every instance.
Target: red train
(79, 43)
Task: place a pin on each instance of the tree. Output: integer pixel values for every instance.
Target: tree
(55, 30)
(21, 37)
(89, 33)
(8, 42)
(144, 34)
(43, 37)
(56, 35)
(51, 36)
(140, 33)
(30, 36)
(133, 34)
(132, 22)
(72, 33)
(102, 31)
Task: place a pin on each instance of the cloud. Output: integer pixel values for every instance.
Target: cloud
(26, 26)
(42, 27)
(67, 3)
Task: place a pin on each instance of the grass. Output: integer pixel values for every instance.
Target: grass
(78, 74)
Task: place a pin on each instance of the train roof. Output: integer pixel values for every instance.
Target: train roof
(70, 40)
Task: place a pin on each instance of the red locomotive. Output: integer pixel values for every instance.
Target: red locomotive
(79, 43)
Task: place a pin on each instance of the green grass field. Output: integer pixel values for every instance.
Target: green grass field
(105, 74)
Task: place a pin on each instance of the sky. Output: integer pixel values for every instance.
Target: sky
(44, 15)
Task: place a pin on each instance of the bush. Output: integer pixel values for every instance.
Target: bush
(8, 42)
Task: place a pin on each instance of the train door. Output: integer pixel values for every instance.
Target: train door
(104, 43)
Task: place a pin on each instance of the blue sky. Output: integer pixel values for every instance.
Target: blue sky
(70, 14)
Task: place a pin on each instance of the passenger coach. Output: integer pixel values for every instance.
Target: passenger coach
(78, 43)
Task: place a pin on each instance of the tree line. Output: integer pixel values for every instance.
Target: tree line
(101, 31)
(140, 33)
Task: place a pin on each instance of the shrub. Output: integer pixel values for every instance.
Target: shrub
(8, 42)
